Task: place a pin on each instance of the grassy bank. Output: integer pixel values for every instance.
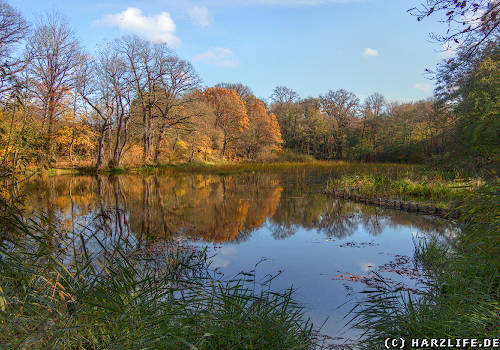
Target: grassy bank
(227, 168)
(443, 189)
(209, 168)
(461, 298)
(89, 291)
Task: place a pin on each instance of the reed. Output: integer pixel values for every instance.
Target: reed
(415, 183)
(460, 298)
(88, 291)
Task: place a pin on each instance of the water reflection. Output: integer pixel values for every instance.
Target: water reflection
(211, 208)
(282, 217)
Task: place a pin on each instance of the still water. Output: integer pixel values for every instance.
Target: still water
(321, 246)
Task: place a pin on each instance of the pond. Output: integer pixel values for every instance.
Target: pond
(324, 247)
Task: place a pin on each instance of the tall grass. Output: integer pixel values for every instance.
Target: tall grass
(415, 183)
(89, 291)
(461, 298)
(288, 161)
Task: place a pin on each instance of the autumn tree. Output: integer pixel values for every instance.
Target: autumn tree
(287, 112)
(53, 54)
(19, 137)
(341, 106)
(242, 90)
(203, 133)
(476, 135)
(263, 132)
(159, 79)
(314, 130)
(74, 134)
(373, 110)
(231, 115)
(466, 82)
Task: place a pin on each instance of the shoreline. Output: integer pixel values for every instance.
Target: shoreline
(218, 168)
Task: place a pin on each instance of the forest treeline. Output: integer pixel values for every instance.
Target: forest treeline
(134, 102)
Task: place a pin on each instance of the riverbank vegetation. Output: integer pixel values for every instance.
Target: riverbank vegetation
(415, 183)
(461, 294)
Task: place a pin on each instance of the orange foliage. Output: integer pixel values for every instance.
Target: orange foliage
(229, 110)
(275, 132)
(264, 130)
(228, 107)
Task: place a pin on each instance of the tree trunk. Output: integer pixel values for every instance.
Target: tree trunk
(115, 161)
(70, 155)
(224, 145)
(50, 131)
(100, 148)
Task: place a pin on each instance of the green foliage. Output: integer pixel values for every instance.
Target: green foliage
(290, 156)
(20, 140)
(478, 129)
(410, 182)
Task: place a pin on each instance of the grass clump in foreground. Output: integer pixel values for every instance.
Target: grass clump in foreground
(461, 298)
(93, 291)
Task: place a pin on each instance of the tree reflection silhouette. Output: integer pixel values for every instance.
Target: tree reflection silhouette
(209, 207)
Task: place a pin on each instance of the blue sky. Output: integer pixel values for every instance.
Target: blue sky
(311, 46)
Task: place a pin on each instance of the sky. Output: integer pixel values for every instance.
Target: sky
(311, 46)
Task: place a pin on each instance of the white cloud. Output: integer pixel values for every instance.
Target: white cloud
(369, 52)
(287, 3)
(200, 16)
(220, 56)
(294, 2)
(227, 251)
(157, 28)
(425, 87)
(216, 53)
(219, 262)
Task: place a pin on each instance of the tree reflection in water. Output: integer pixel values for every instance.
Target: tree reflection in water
(209, 207)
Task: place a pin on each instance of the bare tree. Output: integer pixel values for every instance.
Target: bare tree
(13, 28)
(176, 79)
(341, 107)
(284, 106)
(471, 24)
(374, 105)
(244, 91)
(282, 95)
(141, 66)
(53, 55)
(159, 79)
(95, 89)
(117, 78)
